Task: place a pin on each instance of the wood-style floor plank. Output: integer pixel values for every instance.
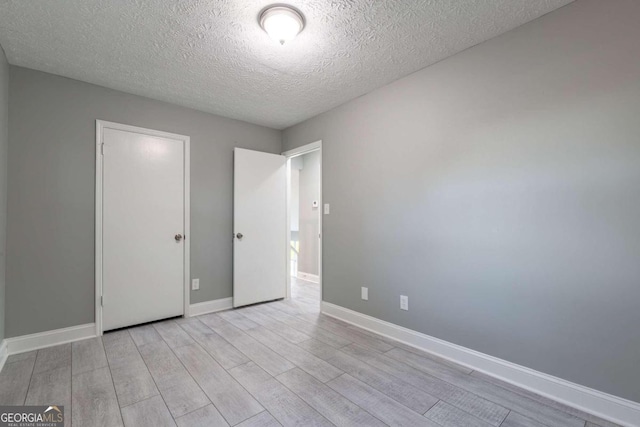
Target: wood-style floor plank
(523, 405)
(296, 355)
(516, 420)
(173, 334)
(425, 364)
(178, 389)
(14, 381)
(52, 358)
(422, 353)
(399, 390)
(238, 320)
(131, 378)
(230, 398)
(450, 416)
(212, 320)
(263, 419)
(119, 348)
(22, 356)
(51, 387)
(309, 329)
(151, 412)
(256, 315)
(281, 402)
(344, 331)
(133, 383)
(266, 358)
(336, 408)
(592, 420)
(144, 334)
(94, 399)
(382, 407)
(482, 408)
(203, 417)
(87, 355)
(320, 349)
(291, 309)
(220, 349)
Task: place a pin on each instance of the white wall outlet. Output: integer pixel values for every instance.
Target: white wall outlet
(195, 284)
(327, 209)
(365, 293)
(404, 302)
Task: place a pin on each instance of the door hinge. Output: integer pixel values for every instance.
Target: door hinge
(102, 301)
(102, 149)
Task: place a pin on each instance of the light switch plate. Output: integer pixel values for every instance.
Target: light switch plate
(404, 302)
(195, 284)
(365, 293)
(327, 209)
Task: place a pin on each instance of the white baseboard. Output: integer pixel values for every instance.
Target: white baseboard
(603, 405)
(24, 343)
(308, 277)
(210, 306)
(40, 340)
(3, 353)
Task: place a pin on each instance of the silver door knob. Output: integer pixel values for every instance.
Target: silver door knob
(239, 236)
(178, 237)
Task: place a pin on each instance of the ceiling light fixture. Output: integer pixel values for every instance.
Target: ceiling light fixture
(282, 23)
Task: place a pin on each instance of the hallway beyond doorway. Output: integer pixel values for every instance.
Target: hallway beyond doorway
(306, 293)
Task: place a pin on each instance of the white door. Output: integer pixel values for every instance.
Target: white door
(143, 222)
(260, 223)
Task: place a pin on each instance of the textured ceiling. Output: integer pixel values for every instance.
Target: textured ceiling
(211, 55)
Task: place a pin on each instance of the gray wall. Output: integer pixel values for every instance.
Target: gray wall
(309, 190)
(4, 143)
(50, 251)
(500, 190)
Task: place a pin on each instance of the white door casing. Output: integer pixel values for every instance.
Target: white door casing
(289, 154)
(260, 217)
(142, 204)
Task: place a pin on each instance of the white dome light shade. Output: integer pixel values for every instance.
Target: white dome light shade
(282, 23)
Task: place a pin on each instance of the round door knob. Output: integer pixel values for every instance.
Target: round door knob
(239, 236)
(178, 237)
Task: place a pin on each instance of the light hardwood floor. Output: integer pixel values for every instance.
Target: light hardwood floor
(280, 363)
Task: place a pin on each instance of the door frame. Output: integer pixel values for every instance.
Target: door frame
(100, 126)
(289, 154)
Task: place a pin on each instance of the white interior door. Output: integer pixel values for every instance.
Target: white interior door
(260, 222)
(143, 223)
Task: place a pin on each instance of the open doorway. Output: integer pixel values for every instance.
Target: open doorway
(304, 219)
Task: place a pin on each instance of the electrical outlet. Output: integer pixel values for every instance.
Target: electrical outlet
(365, 293)
(404, 302)
(195, 284)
